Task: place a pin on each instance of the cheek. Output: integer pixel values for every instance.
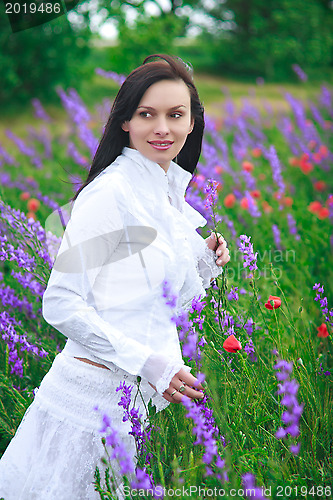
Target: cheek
(183, 129)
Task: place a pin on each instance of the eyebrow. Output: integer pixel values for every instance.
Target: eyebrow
(171, 109)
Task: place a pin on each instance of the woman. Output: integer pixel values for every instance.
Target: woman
(130, 234)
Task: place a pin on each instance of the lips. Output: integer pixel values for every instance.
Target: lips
(161, 145)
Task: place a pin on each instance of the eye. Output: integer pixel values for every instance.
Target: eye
(144, 114)
(176, 115)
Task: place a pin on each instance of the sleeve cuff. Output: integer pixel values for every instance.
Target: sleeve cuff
(170, 370)
(208, 268)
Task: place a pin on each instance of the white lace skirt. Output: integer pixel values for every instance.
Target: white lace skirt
(57, 445)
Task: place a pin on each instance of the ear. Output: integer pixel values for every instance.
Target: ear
(124, 126)
(192, 125)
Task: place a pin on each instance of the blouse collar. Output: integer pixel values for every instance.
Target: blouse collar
(177, 177)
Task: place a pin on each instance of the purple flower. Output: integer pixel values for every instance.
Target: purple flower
(14, 340)
(291, 416)
(294, 448)
(211, 191)
(284, 365)
(277, 236)
(292, 226)
(250, 259)
(233, 295)
(140, 434)
(250, 489)
(206, 433)
(299, 72)
(328, 314)
(171, 298)
(111, 75)
(39, 110)
(272, 157)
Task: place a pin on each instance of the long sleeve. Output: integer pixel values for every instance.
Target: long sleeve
(75, 294)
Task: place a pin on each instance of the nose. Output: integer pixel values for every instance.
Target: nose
(161, 126)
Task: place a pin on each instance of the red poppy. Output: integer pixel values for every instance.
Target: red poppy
(317, 157)
(323, 213)
(287, 201)
(267, 208)
(315, 206)
(306, 167)
(312, 144)
(255, 193)
(323, 151)
(229, 200)
(231, 344)
(244, 203)
(256, 152)
(322, 331)
(294, 162)
(247, 166)
(320, 185)
(33, 205)
(25, 195)
(276, 302)
(31, 215)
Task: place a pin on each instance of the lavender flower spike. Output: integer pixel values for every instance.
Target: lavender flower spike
(250, 258)
(250, 489)
(294, 410)
(323, 303)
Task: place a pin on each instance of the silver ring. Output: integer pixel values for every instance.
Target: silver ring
(182, 388)
(174, 392)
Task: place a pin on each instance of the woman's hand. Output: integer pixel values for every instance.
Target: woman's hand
(183, 379)
(220, 248)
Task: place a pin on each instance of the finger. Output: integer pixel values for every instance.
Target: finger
(223, 260)
(187, 377)
(221, 248)
(169, 398)
(178, 398)
(192, 393)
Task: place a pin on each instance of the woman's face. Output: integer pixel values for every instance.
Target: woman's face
(162, 121)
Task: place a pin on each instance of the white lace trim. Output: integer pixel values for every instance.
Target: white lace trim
(210, 259)
(170, 370)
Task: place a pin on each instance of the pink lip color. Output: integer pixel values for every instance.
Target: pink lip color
(159, 147)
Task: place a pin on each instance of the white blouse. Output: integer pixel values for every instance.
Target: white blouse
(130, 229)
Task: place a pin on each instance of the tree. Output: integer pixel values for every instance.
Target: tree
(35, 60)
(265, 37)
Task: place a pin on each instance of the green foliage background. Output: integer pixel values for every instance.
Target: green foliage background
(238, 38)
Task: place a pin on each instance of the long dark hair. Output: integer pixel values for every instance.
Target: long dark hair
(114, 138)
